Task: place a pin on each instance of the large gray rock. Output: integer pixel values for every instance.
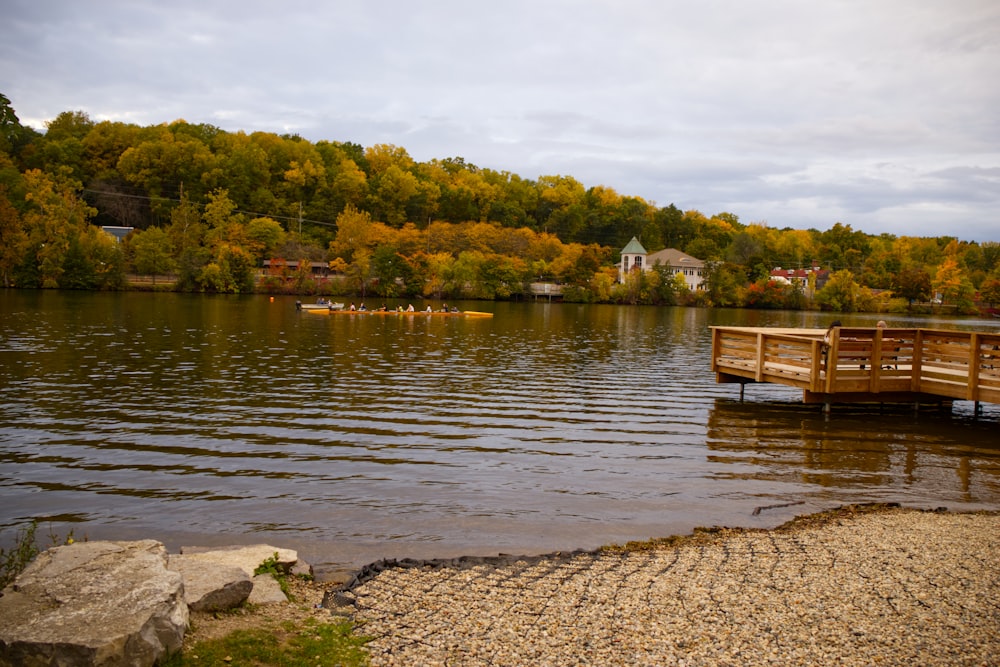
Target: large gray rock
(211, 586)
(94, 603)
(247, 558)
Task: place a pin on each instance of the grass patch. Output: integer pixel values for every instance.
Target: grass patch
(312, 644)
(14, 560)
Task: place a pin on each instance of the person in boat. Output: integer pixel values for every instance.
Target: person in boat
(454, 309)
(429, 309)
(362, 306)
(409, 308)
(353, 307)
(444, 308)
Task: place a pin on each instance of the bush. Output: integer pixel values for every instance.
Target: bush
(13, 561)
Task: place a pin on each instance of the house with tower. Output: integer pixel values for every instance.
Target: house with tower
(635, 258)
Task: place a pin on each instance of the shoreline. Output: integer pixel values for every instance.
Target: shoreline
(855, 585)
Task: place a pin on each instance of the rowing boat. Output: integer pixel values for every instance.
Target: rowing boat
(415, 313)
(322, 306)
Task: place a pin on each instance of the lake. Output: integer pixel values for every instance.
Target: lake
(212, 420)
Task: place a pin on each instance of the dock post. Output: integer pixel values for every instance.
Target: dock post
(742, 386)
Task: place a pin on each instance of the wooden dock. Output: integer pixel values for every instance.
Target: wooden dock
(863, 364)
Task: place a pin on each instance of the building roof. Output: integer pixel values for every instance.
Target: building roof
(118, 232)
(633, 248)
(674, 259)
(797, 273)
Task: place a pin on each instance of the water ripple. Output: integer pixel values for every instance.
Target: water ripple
(547, 427)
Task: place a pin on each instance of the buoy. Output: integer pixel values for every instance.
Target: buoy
(272, 299)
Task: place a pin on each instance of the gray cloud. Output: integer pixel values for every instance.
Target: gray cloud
(878, 115)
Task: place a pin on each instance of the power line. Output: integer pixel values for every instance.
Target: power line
(252, 213)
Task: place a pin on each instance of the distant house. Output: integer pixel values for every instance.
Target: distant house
(283, 268)
(118, 233)
(801, 277)
(635, 258)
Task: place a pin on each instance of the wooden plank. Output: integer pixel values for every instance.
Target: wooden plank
(972, 388)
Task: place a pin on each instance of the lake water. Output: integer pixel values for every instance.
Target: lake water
(216, 420)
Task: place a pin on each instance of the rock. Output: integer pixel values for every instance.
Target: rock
(211, 586)
(266, 590)
(301, 569)
(247, 558)
(106, 603)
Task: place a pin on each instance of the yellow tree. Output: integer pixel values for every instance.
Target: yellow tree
(350, 184)
(382, 156)
(54, 218)
(391, 192)
(795, 248)
(953, 285)
(354, 233)
(225, 225)
(438, 272)
(561, 205)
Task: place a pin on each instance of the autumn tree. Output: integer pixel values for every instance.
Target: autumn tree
(989, 291)
(13, 239)
(151, 252)
(55, 218)
(953, 285)
(912, 283)
(840, 293)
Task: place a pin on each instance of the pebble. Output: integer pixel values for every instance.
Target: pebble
(891, 587)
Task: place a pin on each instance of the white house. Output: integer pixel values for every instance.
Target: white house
(635, 258)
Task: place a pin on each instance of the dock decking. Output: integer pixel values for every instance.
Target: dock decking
(863, 364)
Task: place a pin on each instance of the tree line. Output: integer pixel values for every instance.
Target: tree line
(209, 207)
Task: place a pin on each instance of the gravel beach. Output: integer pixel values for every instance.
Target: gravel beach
(848, 587)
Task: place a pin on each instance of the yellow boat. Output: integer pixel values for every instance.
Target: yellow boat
(414, 313)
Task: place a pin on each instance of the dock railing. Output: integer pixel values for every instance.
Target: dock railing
(861, 364)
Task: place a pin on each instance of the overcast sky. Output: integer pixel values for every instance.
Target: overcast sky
(880, 114)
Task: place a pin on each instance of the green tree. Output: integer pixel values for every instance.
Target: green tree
(186, 230)
(386, 267)
(152, 254)
(263, 236)
(724, 284)
(10, 124)
(840, 293)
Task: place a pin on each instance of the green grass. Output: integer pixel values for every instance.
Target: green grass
(14, 560)
(314, 644)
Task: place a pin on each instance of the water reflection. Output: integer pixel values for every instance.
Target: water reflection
(888, 451)
(217, 420)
